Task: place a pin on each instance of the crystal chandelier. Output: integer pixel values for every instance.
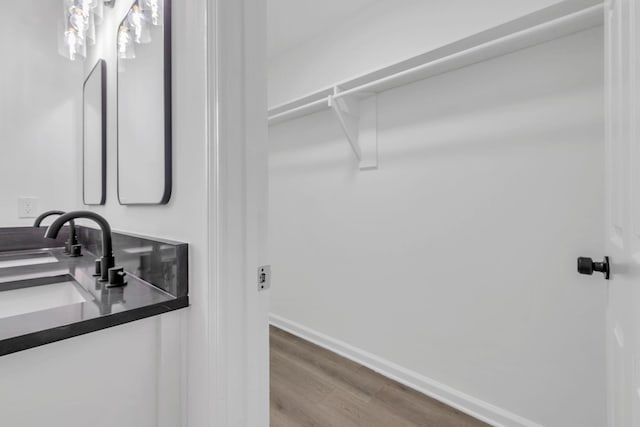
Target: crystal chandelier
(79, 27)
(136, 27)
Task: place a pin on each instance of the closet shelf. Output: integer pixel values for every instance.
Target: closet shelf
(559, 20)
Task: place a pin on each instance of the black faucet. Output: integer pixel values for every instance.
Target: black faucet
(107, 262)
(73, 235)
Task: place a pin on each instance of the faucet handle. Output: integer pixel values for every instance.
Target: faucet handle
(116, 277)
(76, 251)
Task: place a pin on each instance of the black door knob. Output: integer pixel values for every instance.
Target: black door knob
(587, 266)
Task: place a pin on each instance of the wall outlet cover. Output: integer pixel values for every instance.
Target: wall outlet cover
(27, 207)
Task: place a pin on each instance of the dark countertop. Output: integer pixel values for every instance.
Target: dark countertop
(104, 307)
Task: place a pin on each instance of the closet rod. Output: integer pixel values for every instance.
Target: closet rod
(491, 49)
(541, 32)
(308, 107)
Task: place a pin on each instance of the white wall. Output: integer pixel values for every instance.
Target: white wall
(158, 377)
(454, 262)
(382, 34)
(40, 95)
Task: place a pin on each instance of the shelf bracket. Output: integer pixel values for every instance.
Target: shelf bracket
(358, 117)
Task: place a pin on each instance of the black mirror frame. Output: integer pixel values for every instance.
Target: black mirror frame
(102, 66)
(168, 114)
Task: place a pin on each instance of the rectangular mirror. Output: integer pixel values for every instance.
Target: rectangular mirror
(144, 104)
(94, 136)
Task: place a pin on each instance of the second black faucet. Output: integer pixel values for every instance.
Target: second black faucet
(107, 261)
(71, 246)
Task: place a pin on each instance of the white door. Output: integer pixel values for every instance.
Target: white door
(623, 211)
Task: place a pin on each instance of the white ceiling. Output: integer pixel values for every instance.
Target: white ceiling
(292, 22)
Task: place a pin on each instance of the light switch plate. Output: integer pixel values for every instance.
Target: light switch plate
(27, 207)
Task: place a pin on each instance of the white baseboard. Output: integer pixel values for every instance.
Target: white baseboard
(463, 402)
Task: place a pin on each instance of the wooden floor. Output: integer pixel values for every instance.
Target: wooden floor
(311, 386)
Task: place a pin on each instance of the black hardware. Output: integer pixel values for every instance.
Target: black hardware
(588, 266)
(107, 260)
(73, 235)
(76, 251)
(116, 277)
(98, 268)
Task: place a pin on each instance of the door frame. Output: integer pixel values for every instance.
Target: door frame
(237, 177)
(622, 81)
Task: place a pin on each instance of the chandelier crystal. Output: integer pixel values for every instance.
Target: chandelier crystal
(78, 28)
(136, 27)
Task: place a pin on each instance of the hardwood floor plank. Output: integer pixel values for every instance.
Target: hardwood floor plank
(293, 409)
(422, 410)
(357, 379)
(313, 387)
(280, 419)
(353, 412)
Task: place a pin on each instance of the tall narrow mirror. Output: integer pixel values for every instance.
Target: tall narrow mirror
(144, 104)
(94, 140)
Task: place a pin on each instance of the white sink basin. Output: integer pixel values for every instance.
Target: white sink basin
(7, 261)
(26, 300)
